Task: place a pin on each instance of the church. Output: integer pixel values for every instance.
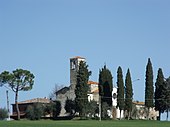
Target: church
(93, 95)
(68, 93)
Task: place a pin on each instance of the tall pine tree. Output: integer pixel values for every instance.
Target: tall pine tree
(158, 92)
(149, 90)
(105, 86)
(128, 94)
(120, 90)
(82, 88)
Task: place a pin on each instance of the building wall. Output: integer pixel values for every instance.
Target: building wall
(70, 93)
(22, 108)
(142, 112)
(93, 87)
(114, 97)
(63, 97)
(93, 97)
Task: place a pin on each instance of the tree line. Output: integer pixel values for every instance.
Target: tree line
(160, 98)
(23, 80)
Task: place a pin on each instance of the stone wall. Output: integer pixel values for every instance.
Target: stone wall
(63, 96)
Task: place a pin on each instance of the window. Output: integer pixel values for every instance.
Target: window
(73, 65)
(114, 96)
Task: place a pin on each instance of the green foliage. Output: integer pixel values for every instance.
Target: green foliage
(105, 85)
(48, 109)
(134, 113)
(38, 111)
(92, 109)
(159, 91)
(30, 112)
(70, 106)
(81, 89)
(149, 90)
(53, 109)
(3, 113)
(5, 77)
(104, 109)
(128, 93)
(35, 111)
(18, 80)
(165, 96)
(56, 109)
(120, 89)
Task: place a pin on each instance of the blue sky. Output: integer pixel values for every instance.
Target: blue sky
(41, 36)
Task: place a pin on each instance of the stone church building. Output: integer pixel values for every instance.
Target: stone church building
(68, 92)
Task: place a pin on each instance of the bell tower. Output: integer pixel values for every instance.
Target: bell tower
(74, 67)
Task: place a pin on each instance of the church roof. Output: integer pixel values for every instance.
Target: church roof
(62, 91)
(35, 100)
(92, 82)
(95, 91)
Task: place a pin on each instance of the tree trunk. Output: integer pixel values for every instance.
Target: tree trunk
(167, 115)
(148, 113)
(159, 117)
(17, 107)
(129, 114)
(120, 114)
(125, 113)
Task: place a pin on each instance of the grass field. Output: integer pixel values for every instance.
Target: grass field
(85, 123)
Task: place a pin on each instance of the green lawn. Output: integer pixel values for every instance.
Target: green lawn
(86, 123)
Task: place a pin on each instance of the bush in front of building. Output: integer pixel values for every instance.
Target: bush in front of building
(3, 113)
(56, 109)
(70, 107)
(35, 111)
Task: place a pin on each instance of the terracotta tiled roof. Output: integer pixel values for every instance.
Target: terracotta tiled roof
(77, 57)
(36, 100)
(91, 82)
(138, 103)
(95, 91)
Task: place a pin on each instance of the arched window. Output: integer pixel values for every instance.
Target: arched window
(114, 96)
(73, 65)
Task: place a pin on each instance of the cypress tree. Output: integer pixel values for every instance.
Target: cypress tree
(168, 96)
(149, 90)
(105, 86)
(165, 96)
(120, 90)
(128, 94)
(158, 92)
(82, 88)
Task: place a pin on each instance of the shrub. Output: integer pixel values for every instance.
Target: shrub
(70, 106)
(56, 109)
(105, 107)
(92, 109)
(48, 109)
(3, 113)
(38, 111)
(30, 112)
(35, 111)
